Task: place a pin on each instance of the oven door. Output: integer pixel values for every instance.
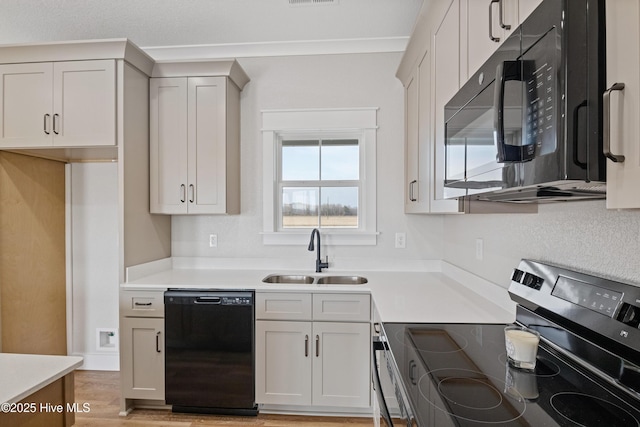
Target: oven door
(391, 406)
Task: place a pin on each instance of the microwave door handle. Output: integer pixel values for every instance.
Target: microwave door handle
(505, 71)
(576, 128)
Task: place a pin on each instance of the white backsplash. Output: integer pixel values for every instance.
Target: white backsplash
(578, 235)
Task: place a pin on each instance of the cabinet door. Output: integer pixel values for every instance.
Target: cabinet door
(283, 362)
(446, 82)
(489, 23)
(341, 364)
(623, 59)
(411, 162)
(26, 99)
(142, 358)
(168, 145)
(418, 143)
(84, 109)
(207, 145)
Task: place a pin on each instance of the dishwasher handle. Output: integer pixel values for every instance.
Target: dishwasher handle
(207, 300)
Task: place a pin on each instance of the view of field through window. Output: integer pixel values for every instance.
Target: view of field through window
(320, 183)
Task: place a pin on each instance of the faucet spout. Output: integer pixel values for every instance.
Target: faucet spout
(315, 234)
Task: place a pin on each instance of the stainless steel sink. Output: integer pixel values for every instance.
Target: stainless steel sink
(342, 280)
(298, 279)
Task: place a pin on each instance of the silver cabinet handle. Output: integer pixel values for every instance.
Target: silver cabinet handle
(501, 13)
(192, 193)
(493, 39)
(317, 346)
(55, 127)
(306, 346)
(158, 349)
(46, 120)
(606, 124)
(183, 193)
(411, 195)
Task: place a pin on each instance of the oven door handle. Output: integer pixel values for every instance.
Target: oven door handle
(378, 345)
(507, 153)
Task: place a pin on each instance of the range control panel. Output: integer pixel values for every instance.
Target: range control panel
(604, 306)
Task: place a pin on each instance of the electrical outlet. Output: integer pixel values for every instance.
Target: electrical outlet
(401, 240)
(479, 249)
(213, 240)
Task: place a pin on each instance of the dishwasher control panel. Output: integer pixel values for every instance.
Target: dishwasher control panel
(236, 301)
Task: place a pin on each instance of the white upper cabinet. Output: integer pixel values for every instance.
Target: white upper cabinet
(84, 103)
(195, 142)
(445, 75)
(168, 149)
(486, 25)
(489, 23)
(58, 104)
(430, 74)
(417, 140)
(622, 124)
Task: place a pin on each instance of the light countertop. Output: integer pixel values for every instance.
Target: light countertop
(23, 374)
(446, 296)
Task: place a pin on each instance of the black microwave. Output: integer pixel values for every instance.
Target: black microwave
(527, 127)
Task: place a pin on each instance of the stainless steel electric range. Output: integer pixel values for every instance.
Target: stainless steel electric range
(587, 371)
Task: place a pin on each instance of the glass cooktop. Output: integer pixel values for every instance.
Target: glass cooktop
(457, 375)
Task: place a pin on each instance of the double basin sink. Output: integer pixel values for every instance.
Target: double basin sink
(301, 279)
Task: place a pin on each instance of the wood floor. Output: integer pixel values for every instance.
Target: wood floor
(101, 390)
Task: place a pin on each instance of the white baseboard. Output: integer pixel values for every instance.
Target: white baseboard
(99, 362)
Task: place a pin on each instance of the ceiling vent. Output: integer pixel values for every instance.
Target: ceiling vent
(312, 2)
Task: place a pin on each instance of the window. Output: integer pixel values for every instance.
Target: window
(319, 172)
(319, 183)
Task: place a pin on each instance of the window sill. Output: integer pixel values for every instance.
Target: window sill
(329, 237)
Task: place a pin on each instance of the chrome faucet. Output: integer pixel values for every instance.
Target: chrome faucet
(319, 264)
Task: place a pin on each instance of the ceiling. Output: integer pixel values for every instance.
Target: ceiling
(153, 23)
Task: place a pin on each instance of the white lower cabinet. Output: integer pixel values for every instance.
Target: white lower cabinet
(141, 346)
(283, 365)
(315, 363)
(142, 358)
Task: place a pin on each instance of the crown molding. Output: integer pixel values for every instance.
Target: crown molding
(265, 49)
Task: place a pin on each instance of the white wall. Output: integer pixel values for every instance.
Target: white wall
(580, 235)
(322, 81)
(94, 276)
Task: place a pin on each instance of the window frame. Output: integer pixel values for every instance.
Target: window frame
(360, 123)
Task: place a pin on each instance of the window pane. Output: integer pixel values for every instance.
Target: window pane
(300, 160)
(340, 160)
(339, 207)
(300, 207)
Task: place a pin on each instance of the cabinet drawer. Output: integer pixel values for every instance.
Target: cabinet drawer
(283, 306)
(342, 307)
(142, 303)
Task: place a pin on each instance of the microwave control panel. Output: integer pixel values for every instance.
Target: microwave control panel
(539, 68)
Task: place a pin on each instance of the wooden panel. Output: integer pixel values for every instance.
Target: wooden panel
(58, 393)
(32, 255)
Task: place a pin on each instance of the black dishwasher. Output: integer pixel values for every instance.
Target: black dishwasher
(209, 357)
